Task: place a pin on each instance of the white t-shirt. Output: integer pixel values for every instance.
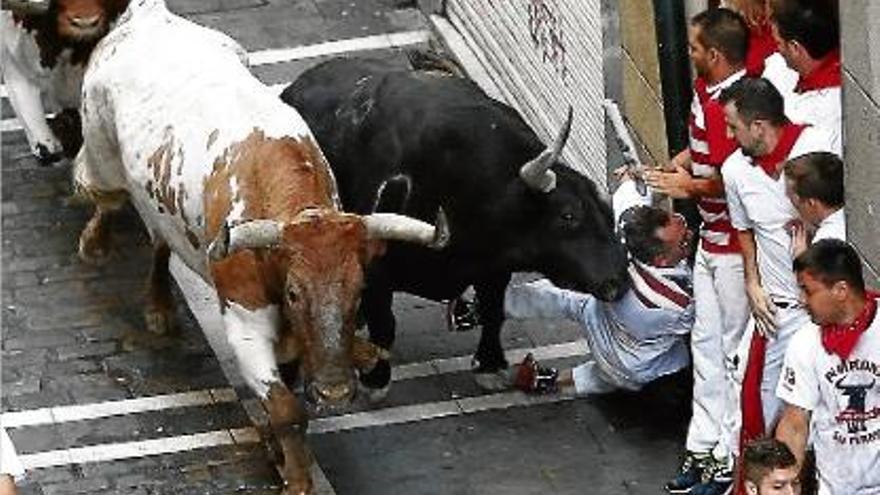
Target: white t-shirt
(820, 108)
(758, 202)
(844, 399)
(833, 227)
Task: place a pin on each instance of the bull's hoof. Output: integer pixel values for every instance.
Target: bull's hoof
(159, 321)
(93, 249)
(376, 383)
(379, 376)
(375, 396)
(45, 157)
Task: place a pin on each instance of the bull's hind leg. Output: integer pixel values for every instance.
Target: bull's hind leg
(159, 312)
(94, 241)
(489, 362)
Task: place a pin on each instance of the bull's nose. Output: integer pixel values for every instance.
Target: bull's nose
(90, 22)
(333, 393)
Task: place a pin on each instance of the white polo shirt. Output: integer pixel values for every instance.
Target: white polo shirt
(844, 398)
(833, 227)
(758, 202)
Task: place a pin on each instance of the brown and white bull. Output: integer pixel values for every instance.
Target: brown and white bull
(230, 179)
(46, 44)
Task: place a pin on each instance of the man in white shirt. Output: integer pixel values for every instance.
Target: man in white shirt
(633, 340)
(807, 33)
(761, 211)
(831, 380)
(814, 184)
(718, 43)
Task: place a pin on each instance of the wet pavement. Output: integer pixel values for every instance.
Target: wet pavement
(73, 336)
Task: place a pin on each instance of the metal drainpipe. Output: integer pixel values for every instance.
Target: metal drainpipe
(675, 78)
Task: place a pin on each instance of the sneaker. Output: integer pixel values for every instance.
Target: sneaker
(530, 377)
(717, 479)
(690, 475)
(461, 315)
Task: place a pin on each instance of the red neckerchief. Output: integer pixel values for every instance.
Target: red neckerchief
(826, 75)
(841, 339)
(770, 162)
(761, 45)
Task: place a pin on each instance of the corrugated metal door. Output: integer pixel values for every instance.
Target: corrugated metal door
(544, 55)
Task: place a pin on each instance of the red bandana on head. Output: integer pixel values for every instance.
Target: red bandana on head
(841, 339)
(770, 162)
(826, 75)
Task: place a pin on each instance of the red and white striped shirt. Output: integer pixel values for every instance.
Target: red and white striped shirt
(709, 147)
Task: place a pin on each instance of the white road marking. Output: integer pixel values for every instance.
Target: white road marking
(375, 42)
(279, 55)
(80, 412)
(130, 450)
(366, 419)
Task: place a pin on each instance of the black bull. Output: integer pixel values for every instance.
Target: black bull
(412, 141)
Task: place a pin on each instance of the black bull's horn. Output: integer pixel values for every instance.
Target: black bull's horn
(385, 226)
(31, 7)
(536, 173)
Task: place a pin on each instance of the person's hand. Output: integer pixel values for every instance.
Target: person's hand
(763, 310)
(623, 173)
(675, 184)
(799, 237)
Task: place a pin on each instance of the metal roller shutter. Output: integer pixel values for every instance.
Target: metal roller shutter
(544, 55)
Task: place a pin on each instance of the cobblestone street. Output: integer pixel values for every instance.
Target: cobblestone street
(97, 406)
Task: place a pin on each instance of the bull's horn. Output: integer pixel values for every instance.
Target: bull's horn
(250, 234)
(537, 173)
(394, 227)
(31, 7)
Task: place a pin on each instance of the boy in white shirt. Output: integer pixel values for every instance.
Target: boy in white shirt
(831, 379)
(814, 184)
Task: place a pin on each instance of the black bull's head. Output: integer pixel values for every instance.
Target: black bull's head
(569, 230)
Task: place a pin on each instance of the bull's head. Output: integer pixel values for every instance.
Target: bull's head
(320, 257)
(81, 21)
(574, 239)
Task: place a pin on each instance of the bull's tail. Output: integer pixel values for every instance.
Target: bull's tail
(433, 61)
(393, 195)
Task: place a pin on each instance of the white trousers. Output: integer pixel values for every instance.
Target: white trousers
(788, 321)
(722, 314)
